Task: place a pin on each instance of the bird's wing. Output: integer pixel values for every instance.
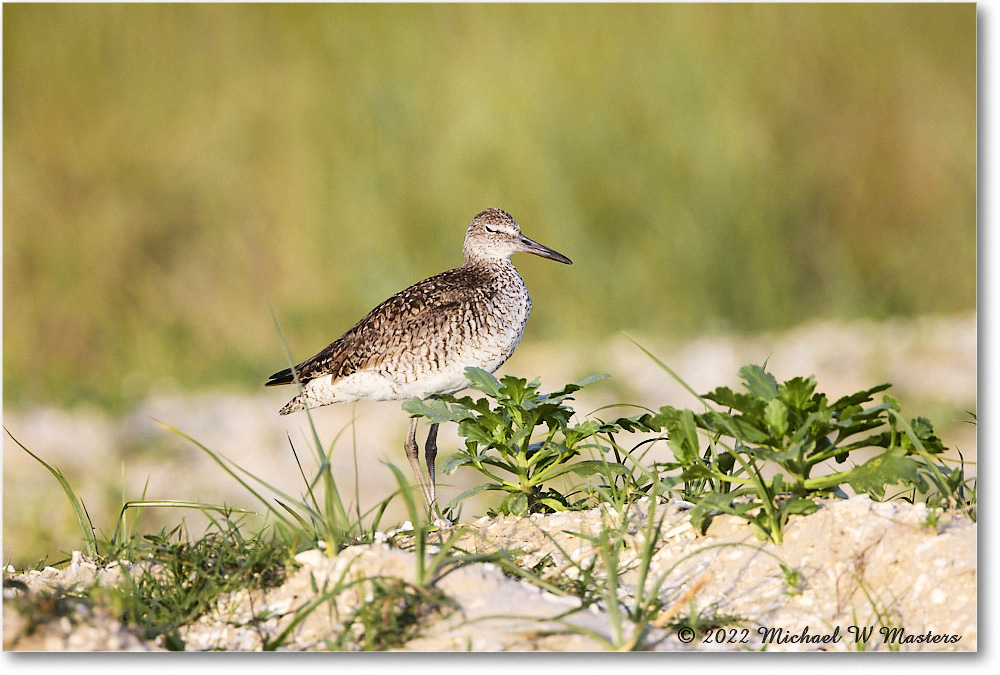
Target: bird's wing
(388, 327)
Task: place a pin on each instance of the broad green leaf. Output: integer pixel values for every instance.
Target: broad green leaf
(765, 453)
(590, 379)
(683, 438)
(759, 382)
(776, 416)
(846, 414)
(859, 397)
(891, 402)
(796, 392)
(725, 462)
(542, 452)
(483, 381)
(435, 411)
(474, 431)
(516, 504)
(777, 484)
(801, 506)
(889, 468)
(458, 459)
(553, 504)
(850, 427)
(580, 432)
(471, 492)
(518, 437)
(518, 390)
(644, 422)
(736, 426)
(687, 429)
(809, 428)
(589, 467)
(726, 397)
(713, 501)
(922, 427)
(918, 435)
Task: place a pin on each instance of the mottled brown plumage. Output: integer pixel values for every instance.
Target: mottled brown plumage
(401, 324)
(421, 339)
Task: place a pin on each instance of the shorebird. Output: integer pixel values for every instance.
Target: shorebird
(419, 341)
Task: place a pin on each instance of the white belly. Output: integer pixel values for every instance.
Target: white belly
(371, 385)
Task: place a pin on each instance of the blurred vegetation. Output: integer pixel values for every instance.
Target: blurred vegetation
(171, 171)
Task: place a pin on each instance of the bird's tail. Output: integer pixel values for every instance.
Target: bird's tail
(295, 405)
(304, 400)
(281, 377)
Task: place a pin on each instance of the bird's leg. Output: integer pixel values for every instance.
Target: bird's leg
(413, 454)
(430, 454)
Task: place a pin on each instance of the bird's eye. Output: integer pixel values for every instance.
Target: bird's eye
(490, 229)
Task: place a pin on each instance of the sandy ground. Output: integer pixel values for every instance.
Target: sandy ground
(870, 576)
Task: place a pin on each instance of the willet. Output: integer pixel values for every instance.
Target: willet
(420, 341)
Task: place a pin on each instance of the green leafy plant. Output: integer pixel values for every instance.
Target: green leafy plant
(787, 431)
(501, 443)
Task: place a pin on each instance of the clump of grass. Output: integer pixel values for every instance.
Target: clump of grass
(318, 514)
(173, 581)
(98, 546)
(433, 561)
(794, 579)
(637, 614)
(393, 610)
(393, 615)
(182, 578)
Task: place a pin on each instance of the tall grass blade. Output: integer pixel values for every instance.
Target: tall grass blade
(79, 510)
(336, 518)
(225, 467)
(175, 504)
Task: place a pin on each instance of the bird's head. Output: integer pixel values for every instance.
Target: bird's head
(495, 235)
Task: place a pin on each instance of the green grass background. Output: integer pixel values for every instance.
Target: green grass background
(171, 172)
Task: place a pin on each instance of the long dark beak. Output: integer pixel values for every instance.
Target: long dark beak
(532, 246)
